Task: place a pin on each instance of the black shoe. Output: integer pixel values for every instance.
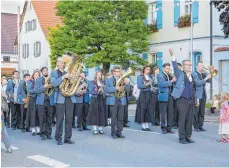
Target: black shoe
(120, 136)
(33, 134)
(80, 129)
(86, 129)
(69, 141)
(183, 141)
(190, 140)
(144, 129)
(59, 143)
(125, 125)
(164, 132)
(73, 126)
(100, 132)
(157, 124)
(114, 136)
(49, 137)
(170, 132)
(196, 129)
(27, 130)
(38, 133)
(147, 129)
(43, 137)
(202, 129)
(78, 126)
(23, 130)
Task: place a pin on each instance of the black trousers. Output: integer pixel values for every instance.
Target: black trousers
(32, 113)
(82, 109)
(23, 116)
(64, 111)
(154, 120)
(125, 116)
(117, 112)
(175, 114)
(166, 110)
(74, 115)
(185, 111)
(15, 115)
(199, 113)
(53, 114)
(45, 119)
(157, 114)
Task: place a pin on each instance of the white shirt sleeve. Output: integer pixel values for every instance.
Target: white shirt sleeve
(173, 58)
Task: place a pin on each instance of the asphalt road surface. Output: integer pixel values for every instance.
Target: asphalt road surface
(137, 149)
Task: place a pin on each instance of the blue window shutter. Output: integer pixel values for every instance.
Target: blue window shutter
(159, 60)
(195, 12)
(97, 68)
(145, 56)
(145, 21)
(176, 12)
(86, 71)
(159, 14)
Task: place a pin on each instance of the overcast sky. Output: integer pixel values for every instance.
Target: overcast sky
(10, 6)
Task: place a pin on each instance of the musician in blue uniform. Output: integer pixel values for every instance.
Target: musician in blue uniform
(165, 82)
(11, 92)
(116, 103)
(32, 120)
(200, 78)
(23, 101)
(82, 103)
(44, 104)
(64, 105)
(144, 110)
(97, 116)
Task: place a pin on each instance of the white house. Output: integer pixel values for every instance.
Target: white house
(165, 15)
(9, 55)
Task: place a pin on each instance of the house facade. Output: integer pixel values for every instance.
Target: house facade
(172, 20)
(9, 52)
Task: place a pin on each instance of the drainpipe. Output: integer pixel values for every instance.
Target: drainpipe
(211, 44)
(18, 38)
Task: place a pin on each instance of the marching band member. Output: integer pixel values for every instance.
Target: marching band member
(156, 113)
(165, 98)
(44, 104)
(82, 103)
(64, 105)
(23, 101)
(97, 114)
(32, 115)
(200, 78)
(108, 111)
(11, 92)
(144, 108)
(185, 94)
(116, 104)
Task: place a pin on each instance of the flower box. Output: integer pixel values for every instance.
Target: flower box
(184, 21)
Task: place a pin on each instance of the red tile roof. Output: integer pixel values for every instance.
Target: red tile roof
(219, 49)
(8, 32)
(46, 14)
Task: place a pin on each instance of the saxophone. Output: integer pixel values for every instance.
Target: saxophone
(49, 90)
(69, 86)
(121, 83)
(82, 88)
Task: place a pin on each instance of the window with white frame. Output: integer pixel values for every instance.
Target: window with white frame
(34, 24)
(153, 13)
(187, 7)
(25, 50)
(37, 49)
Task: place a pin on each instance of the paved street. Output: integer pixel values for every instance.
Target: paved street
(138, 149)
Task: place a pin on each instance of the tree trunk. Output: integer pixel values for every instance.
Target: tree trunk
(106, 67)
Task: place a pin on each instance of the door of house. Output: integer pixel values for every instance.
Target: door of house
(225, 79)
(197, 56)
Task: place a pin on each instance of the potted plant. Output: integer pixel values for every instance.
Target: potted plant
(184, 21)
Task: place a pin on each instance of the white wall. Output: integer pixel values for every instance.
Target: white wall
(31, 63)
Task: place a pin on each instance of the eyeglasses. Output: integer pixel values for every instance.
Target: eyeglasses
(117, 71)
(188, 64)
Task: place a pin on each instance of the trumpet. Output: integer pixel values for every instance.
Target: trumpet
(211, 71)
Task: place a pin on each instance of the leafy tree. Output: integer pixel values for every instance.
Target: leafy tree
(224, 16)
(103, 32)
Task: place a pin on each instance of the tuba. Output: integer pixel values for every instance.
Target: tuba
(50, 89)
(74, 67)
(121, 83)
